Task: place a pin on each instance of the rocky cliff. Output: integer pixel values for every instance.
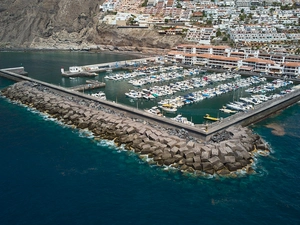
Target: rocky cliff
(70, 24)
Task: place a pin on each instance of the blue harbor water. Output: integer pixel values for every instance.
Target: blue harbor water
(52, 174)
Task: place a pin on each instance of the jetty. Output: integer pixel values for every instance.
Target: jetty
(78, 74)
(92, 70)
(90, 85)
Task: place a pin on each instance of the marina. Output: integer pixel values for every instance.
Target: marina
(209, 86)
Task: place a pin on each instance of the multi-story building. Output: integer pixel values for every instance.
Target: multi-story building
(225, 57)
(293, 36)
(291, 68)
(258, 65)
(256, 34)
(109, 5)
(201, 35)
(292, 58)
(242, 3)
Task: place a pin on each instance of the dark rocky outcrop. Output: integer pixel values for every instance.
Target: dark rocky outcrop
(219, 157)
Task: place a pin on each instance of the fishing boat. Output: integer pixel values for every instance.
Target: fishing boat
(208, 117)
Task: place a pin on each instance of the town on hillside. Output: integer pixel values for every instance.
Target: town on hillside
(261, 36)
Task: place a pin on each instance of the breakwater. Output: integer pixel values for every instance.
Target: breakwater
(228, 151)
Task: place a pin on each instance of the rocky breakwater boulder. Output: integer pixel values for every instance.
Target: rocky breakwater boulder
(218, 156)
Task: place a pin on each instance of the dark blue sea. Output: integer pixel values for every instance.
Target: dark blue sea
(53, 174)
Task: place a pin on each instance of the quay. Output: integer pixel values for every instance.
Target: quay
(78, 74)
(90, 85)
(92, 70)
(248, 73)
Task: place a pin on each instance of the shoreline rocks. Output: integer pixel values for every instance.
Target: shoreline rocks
(228, 151)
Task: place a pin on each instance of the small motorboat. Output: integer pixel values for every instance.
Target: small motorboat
(208, 117)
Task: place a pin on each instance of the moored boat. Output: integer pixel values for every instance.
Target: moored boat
(170, 108)
(225, 110)
(154, 110)
(208, 117)
(100, 95)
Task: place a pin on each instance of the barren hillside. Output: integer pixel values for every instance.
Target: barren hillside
(67, 24)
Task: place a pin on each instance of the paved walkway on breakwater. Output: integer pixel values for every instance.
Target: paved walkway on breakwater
(203, 131)
(259, 112)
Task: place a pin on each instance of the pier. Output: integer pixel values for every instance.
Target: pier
(203, 131)
(92, 70)
(90, 85)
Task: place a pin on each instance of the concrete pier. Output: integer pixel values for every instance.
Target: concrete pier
(257, 114)
(90, 85)
(90, 70)
(79, 74)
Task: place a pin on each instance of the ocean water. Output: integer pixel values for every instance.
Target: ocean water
(53, 174)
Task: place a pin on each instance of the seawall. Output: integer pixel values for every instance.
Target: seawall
(233, 149)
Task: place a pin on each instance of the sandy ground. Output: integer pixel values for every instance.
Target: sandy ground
(276, 129)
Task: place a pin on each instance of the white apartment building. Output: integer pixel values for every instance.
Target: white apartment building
(291, 68)
(200, 35)
(256, 34)
(244, 59)
(242, 3)
(109, 5)
(152, 2)
(293, 36)
(258, 64)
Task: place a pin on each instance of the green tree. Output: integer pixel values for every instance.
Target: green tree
(242, 17)
(144, 4)
(209, 22)
(272, 11)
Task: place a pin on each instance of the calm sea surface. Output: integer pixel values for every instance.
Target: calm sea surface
(52, 174)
